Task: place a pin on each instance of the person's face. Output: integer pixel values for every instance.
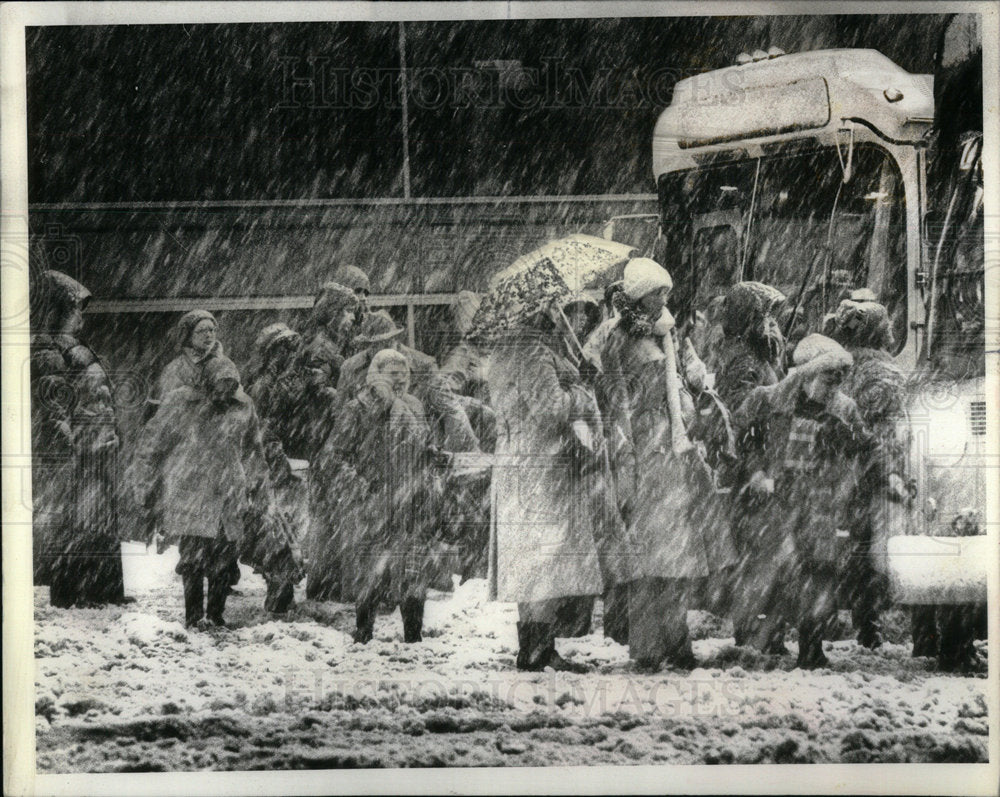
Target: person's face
(398, 377)
(346, 320)
(362, 295)
(203, 336)
(822, 386)
(223, 391)
(283, 354)
(652, 304)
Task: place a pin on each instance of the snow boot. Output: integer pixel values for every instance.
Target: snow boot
(365, 623)
(537, 650)
(194, 600)
(811, 655)
(412, 610)
(616, 613)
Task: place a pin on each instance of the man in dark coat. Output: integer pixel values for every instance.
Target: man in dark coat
(200, 467)
(75, 447)
(798, 442)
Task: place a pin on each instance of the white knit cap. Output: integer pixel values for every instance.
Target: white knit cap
(643, 276)
(818, 353)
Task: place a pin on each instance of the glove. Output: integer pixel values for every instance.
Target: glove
(760, 485)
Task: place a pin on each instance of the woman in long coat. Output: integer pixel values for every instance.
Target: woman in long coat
(675, 540)
(799, 442)
(200, 469)
(377, 460)
(75, 453)
(545, 534)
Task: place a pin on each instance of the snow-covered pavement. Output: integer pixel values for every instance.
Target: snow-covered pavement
(129, 689)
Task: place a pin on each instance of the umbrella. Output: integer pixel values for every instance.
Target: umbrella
(556, 271)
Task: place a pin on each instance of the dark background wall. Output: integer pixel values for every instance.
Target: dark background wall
(210, 112)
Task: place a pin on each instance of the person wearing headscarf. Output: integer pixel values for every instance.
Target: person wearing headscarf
(200, 469)
(544, 539)
(75, 445)
(195, 337)
(664, 493)
(799, 441)
(379, 456)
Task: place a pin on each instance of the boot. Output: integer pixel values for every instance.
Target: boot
(218, 591)
(616, 613)
(194, 600)
(412, 610)
(811, 655)
(537, 650)
(365, 623)
(923, 628)
(280, 596)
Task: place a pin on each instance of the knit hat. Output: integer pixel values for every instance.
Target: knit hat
(187, 324)
(643, 276)
(377, 328)
(352, 277)
(285, 335)
(817, 354)
(863, 325)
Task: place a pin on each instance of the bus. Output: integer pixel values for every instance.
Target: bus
(823, 173)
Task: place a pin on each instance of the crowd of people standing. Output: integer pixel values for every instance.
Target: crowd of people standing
(616, 468)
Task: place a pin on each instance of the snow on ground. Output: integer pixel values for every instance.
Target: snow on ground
(129, 689)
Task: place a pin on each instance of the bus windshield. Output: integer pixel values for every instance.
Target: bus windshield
(789, 219)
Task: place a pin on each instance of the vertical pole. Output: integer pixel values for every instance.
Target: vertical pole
(411, 326)
(403, 100)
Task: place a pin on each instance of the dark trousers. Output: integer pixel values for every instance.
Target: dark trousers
(410, 596)
(657, 621)
(616, 613)
(202, 559)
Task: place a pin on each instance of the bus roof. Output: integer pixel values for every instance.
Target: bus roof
(780, 97)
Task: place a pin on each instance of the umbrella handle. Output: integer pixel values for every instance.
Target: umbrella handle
(574, 341)
(678, 435)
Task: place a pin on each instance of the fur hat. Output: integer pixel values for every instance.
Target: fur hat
(643, 276)
(817, 354)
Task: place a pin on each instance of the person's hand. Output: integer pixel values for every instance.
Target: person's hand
(897, 487)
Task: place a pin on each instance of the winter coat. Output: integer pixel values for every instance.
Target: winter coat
(375, 465)
(811, 453)
(669, 507)
(75, 447)
(545, 532)
(185, 370)
(201, 468)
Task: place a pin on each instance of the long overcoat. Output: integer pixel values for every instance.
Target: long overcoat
(75, 448)
(673, 528)
(376, 465)
(201, 468)
(545, 531)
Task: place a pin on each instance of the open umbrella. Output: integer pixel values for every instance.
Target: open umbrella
(554, 272)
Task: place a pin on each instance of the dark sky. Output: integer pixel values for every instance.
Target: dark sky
(209, 112)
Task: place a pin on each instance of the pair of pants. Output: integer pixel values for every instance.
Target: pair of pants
(211, 559)
(657, 620)
(817, 609)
